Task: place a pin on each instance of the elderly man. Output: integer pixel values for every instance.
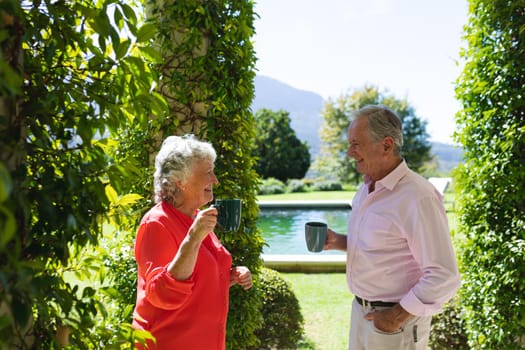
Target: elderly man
(401, 265)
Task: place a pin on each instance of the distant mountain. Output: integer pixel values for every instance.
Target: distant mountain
(304, 108)
(449, 156)
(305, 114)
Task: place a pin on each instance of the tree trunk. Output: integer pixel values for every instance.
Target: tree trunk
(181, 83)
(13, 134)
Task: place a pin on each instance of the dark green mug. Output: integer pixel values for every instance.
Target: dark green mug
(229, 218)
(315, 235)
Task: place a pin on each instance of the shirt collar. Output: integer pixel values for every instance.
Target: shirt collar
(392, 178)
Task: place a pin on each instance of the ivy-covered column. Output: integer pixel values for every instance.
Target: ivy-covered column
(207, 67)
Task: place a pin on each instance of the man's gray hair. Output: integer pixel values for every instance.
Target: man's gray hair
(382, 122)
(174, 162)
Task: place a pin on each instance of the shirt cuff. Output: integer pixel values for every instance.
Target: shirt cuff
(166, 292)
(412, 304)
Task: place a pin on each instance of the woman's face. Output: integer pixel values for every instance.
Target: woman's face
(198, 190)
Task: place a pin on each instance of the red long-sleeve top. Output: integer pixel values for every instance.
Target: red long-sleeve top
(189, 314)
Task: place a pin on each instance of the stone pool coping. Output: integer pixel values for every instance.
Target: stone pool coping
(306, 204)
(305, 262)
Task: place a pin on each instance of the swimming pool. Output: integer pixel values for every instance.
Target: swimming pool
(282, 225)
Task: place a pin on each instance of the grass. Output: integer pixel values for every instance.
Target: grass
(325, 303)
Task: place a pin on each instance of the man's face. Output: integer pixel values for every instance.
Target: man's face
(368, 154)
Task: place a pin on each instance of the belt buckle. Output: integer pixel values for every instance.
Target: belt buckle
(365, 303)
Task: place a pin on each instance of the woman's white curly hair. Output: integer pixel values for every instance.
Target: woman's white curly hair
(174, 162)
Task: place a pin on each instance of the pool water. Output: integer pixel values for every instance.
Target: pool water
(283, 228)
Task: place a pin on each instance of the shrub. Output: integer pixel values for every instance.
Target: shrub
(490, 184)
(295, 185)
(120, 261)
(448, 329)
(328, 186)
(282, 326)
(272, 186)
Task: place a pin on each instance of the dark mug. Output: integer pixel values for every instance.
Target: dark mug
(315, 235)
(229, 217)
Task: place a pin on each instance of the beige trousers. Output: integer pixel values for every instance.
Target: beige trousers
(365, 336)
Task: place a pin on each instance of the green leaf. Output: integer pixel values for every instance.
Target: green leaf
(118, 18)
(146, 32)
(7, 226)
(102, 43)
(10, 80)
(129, 199)
(129, 13)
(21, 311)
(111, 194)
(122, 49)
(152, 54)
(101, 24)
(88, 12)
(5, 183)
(4, 322)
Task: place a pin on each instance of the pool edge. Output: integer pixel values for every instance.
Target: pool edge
(305, 262)
(306, 204)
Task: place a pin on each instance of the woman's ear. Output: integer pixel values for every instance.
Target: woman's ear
(180, 185)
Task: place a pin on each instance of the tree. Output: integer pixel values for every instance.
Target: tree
(280, 153)
(333, 161)
(69, 81)
(490, 185)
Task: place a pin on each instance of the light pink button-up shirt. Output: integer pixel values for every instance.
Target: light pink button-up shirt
(399, 247)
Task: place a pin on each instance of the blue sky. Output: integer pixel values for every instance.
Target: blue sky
(409, 48)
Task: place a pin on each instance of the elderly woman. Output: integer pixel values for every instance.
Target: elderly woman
(184, 272)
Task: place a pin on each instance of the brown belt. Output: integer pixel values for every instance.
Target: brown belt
(365, 303)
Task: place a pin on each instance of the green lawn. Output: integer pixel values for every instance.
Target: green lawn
(325, 303)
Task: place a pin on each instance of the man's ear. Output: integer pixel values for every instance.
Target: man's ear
(388, 144)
